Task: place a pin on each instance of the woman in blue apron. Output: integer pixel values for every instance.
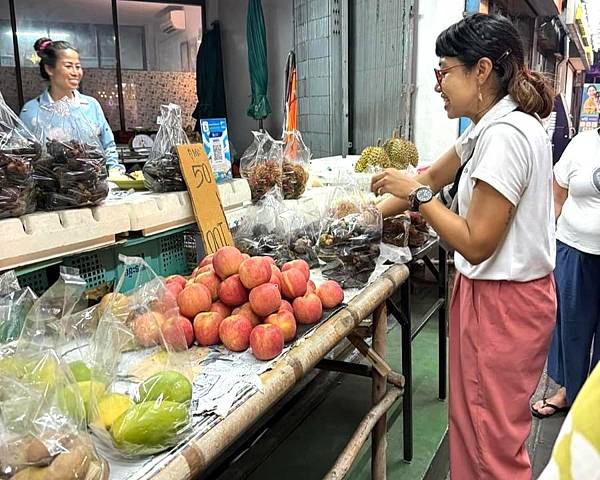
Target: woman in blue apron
(60, 65)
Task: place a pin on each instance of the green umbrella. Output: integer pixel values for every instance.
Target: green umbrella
(257, 62)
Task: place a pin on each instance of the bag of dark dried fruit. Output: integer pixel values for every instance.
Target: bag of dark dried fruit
(350, 238)
(162, 172)
(18, 150)
(261, 165)
(296, 161)
(71, 171)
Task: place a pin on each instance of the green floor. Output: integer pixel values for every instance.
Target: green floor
(313, 447)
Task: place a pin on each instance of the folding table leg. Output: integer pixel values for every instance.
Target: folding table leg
(407, 413)
(442, 320)
(379, 388)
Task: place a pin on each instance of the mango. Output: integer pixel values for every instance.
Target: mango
(70, 402)
(41, 373)
(110, 407)
(169, 385)
(80, 371)
(149, 427)
(91, 391)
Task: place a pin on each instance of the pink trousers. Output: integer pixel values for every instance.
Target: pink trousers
(499, 337)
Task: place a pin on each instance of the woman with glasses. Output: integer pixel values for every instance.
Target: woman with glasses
(504, 301)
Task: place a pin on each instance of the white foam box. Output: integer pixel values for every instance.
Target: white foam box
(153, 213)
(45, 235)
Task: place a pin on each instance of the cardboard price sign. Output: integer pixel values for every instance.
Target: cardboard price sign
(201, 185)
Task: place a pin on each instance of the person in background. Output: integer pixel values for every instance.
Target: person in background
(503, 307)
(577, 273)
(591, 104)
(576, 452)
(60, 65)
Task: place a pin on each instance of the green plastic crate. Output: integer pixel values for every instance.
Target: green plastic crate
(36, 280)
(97, 268)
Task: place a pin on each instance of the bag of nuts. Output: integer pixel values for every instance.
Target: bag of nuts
(18, 150)
(71, 172)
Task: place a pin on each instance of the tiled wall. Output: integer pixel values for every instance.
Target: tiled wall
(144, 93)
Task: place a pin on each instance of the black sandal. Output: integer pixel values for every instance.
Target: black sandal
(545, 404)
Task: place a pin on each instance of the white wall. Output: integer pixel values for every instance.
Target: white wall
(278, 15)
(434, 132)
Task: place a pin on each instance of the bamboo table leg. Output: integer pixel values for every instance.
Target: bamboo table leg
(379, 436)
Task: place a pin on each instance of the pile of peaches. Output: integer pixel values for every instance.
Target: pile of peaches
(248, 302)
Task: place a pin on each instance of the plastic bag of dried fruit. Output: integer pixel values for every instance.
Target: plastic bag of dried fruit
(296, 162)
(350, 237)
(262, 167)
(43, 432)
(140, 364)
(162, 172)
(304, 226)
(72, 171)
(18, 150)
(265, 230)
(15, 302)
(395, 236)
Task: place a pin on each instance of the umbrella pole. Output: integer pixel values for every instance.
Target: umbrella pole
(260, 125)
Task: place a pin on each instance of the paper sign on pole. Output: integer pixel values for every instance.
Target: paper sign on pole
(201, 185)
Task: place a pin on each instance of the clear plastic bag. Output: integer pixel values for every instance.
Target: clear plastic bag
(262, 167)
(162, 172)
(71, 172)
(139, 358)
(349, 242)
(18, 150)
(265, 230)
(296, 161)
(43, 432)
(304, 227)
(14, 305)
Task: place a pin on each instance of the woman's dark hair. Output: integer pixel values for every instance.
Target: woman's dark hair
(49, 53)
(496, 38)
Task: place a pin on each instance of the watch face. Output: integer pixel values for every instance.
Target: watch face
(423, 195)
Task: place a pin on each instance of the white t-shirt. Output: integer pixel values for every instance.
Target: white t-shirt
(578, 170)
(512, 153)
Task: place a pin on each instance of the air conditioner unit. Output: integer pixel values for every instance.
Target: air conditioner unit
(172, 21)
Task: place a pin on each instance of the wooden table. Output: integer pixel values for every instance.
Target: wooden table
(202, 451)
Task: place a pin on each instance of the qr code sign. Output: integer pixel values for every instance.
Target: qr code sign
(217, 150)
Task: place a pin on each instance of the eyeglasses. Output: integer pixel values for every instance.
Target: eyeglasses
(440, 72)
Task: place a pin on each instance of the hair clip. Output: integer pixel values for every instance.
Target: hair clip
(45, 45)
(503, 57)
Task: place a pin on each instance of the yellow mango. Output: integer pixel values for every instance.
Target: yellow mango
(111, 407)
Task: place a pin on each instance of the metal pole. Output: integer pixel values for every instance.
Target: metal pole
(13, 26)
(345, 19)
(118, 60)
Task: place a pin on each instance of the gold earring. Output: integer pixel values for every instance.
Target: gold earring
(480, 96)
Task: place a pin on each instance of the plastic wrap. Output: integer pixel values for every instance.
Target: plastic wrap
(261, 165)
(162, 172)
(42, 422)
(141, 330)
(349, 242)
(72, 171)
(265, 230)
(304, 227)
(296, 162)
(18, 150)
(418, 232)
(14, 305)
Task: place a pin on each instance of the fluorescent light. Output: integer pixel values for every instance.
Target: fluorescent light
(37, 34)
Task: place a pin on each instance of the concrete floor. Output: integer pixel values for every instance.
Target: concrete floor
(309, 450)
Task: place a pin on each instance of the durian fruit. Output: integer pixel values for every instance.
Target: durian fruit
(401, 152)
(372, 156)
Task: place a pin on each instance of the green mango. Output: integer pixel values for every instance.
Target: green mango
(70, 402)
(149, 427)
(169, 385)
(91, 393)
(80, 371)
(41, 373)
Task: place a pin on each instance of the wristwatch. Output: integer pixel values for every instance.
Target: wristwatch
(419, 196)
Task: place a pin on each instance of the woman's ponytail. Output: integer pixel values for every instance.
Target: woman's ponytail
(533, 92)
